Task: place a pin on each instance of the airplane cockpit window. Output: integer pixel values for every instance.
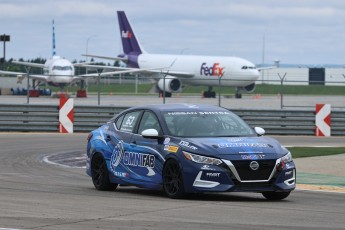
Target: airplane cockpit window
(56, 67)
(248, 67)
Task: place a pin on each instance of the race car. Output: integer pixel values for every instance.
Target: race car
(185, 149)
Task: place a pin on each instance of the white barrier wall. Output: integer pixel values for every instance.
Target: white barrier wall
(300, 76)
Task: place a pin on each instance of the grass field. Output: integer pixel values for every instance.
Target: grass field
(298, 152)
(196, 90)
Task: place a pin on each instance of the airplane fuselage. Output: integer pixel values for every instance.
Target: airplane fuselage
(207, 70)
(60, 71)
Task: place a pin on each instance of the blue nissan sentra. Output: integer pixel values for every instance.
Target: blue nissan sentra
(186, 148)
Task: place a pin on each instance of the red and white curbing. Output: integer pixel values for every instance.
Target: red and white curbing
(66, 115)
(323, 120)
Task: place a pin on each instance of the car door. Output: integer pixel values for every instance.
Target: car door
(119, 139)
(148, 151)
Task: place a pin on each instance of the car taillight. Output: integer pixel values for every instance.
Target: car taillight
(89, 137)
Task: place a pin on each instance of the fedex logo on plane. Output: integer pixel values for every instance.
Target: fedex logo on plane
(126, 34)
(215, 70)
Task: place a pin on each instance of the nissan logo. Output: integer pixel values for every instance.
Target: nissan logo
(254, 165)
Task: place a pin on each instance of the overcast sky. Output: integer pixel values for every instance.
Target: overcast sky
(296, 32)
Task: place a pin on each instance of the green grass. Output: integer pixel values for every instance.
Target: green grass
(196, 90)
(276, 89)
(298, 152)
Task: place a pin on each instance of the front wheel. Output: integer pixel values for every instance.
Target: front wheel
(172, 180)
(275, 195)
(100, 175)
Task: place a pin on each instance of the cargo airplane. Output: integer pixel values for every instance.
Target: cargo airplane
(184, 69)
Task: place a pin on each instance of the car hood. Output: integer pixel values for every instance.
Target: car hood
(235, 148)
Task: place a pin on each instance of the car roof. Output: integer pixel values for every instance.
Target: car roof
(181, 107)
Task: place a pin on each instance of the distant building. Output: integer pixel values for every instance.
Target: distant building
(304, 76)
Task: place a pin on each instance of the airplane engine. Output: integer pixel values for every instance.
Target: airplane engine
(250, 88)
(172, 84)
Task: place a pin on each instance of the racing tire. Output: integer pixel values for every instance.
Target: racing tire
(172, 180)
(275, 195)
(100, 175)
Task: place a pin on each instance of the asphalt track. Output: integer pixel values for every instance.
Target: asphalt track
(37, 195)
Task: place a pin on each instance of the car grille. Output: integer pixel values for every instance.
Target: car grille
(247, 174)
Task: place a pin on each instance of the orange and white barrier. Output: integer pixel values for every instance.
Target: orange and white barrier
(323, 120)
(66, 115)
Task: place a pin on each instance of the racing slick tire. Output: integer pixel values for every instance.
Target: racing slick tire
(100, 175)
(172, 180)
(275, 195)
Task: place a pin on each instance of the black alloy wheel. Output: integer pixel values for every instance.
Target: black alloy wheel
(172, 180)
(99, 174)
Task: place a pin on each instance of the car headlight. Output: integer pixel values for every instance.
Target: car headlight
(287, 158)
(201, 159)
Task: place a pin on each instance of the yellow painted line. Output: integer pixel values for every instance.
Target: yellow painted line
(320, 188)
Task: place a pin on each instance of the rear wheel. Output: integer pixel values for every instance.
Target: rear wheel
(172, 180)
(275, 195)
(100, 175)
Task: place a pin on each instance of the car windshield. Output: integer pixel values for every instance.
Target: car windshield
(206, 124)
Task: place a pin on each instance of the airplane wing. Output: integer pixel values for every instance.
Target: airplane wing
(39, 77)
(103, 74)
(21, 75)
(105, 57)
(264, 68)
(122, 70)
(12, 73)
(38, 65)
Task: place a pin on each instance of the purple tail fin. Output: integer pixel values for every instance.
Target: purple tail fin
(129, 42)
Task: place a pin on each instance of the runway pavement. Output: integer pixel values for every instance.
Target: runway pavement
(247, 102)
(37, 195)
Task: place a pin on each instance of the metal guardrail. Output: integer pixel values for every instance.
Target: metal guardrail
(45, 118)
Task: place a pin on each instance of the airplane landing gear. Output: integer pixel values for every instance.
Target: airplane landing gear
(209, 93)
(238, 93)
(82, 91)
(167, 94)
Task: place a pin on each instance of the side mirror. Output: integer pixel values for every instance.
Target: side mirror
(260, 131)
(150, 133)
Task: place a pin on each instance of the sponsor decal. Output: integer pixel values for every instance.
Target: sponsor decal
(212, 174)
(186, 144)
(130, 159)
(214, 70)
(116, 157)
(166, 140)
(139, 160)
(210, 113)
(288, 173)
(120, 174)
(254, 165)
(235, 139)
(129, 121)
(197, 113)
(171, 148)
(206, 167)
(126, 34)
(128, 125)
(253, 157)
(239, 145)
